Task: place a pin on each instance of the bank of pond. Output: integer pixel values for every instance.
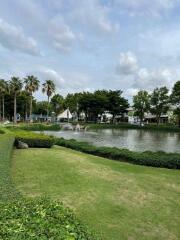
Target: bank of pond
(147, 158)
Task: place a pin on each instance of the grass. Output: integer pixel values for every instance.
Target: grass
(7, 189)
(117, 200)
(32, 218)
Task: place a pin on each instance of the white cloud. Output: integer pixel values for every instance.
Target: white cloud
(46, 74)
(61, 34)
(130, 92)
(146, 7)
(92, 15)
(127, 64)
(13, 38)
(149, 79)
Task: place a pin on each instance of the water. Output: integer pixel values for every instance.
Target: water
(137, 140)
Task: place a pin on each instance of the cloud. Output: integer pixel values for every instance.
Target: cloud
(66, 82)
(130, 92)
(142, 77)
(51, 74)
(144, 7)
(127, 64)
(61, 34)
(92, 15)
(13, 38)
(149, 79)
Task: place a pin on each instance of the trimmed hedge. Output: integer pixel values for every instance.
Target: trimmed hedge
(7, 189)
(33, 139)
(148, 158)
(1, 131)
(153, 127)
(37, 127)
(40, 219)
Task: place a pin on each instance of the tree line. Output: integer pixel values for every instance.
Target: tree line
(16, 96)
(158, 102)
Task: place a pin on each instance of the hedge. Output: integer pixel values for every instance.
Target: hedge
(147, 158)
(7, 189)
(28, 219)
(153, 127)
(36, 127)
(33, 139)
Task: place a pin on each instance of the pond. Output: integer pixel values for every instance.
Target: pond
(137, 140)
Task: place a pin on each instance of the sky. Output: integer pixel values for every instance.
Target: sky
(84, 45)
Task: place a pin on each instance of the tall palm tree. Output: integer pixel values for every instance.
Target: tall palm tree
(49, 88)
(31, 85)
(3, 90)
(15, 87)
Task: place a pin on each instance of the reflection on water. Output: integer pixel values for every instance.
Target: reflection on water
(138, 140)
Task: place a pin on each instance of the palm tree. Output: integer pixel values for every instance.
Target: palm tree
(3, 90)
(31, 85)
(15, 86)
(49, 88)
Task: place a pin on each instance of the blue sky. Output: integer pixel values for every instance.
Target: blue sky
(84, 45)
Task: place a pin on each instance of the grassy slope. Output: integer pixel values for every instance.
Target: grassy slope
(119, 200)
(7, 190)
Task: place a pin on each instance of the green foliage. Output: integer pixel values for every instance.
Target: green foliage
(7, 190)
(38, 127)
(33, 139)
(1, 131)
(159, 102)
(148, 158)
(57, 103)
(153, 127)
(40, 219)
(175, 99)
(141, 104)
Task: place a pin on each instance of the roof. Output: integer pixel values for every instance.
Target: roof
(65, 114)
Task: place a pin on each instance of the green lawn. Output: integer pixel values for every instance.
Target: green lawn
(117, 200)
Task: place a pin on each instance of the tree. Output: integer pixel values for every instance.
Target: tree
(116, 103)
(159, 102)
(31, 85)
(175, 99)
(141, 104)
(49, 88)
(15, 86)
(57, 103)
(41, 107)
(3, 91)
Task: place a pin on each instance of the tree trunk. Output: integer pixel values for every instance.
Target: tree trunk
(158, 118)
(30, 109)
(3, 108)
(48, 108)
(15, 109)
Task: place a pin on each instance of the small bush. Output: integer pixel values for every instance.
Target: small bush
(148, 158)
(33, 139)
(40, 219)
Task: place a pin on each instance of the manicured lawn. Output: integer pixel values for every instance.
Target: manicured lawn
(117, 200)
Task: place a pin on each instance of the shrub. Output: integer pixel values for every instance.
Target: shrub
(40, 219)
(148, 158)
(1, 131)
(33, 139)
(37, 127)
(154, 127)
